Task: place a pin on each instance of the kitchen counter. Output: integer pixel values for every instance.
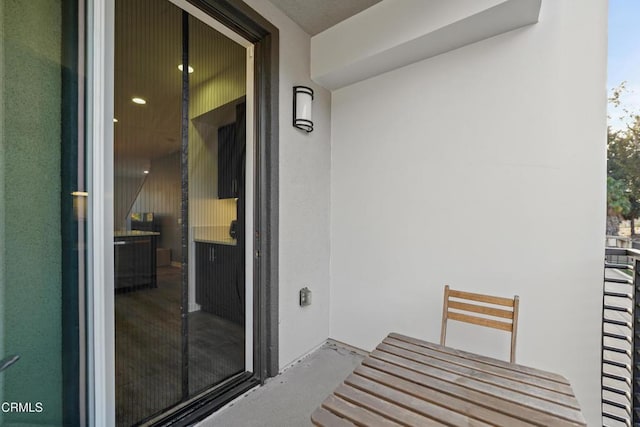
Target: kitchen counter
(214, 234)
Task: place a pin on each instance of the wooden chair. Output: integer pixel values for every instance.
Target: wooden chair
(491, 316)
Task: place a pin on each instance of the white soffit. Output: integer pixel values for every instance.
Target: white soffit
(315, 16)
(392, 34)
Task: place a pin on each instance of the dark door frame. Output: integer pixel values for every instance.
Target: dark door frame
(239, 17)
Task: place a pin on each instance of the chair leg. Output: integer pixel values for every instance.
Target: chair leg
(514, 328)
(445, 310)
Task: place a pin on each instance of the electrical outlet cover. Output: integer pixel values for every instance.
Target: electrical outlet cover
(305, 297)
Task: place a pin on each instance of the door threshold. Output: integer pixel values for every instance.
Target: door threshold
(206, 403)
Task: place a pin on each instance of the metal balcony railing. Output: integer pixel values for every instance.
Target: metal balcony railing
(620, 344)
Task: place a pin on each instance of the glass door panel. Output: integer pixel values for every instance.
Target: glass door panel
(147, 220)
(178, 208)
(217, 89)
(41, 214)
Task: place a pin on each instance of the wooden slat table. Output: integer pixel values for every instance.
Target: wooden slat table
(409, 382)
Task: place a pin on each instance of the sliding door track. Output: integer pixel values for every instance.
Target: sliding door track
(207, 403)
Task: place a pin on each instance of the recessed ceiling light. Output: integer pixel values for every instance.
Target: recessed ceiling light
(115, 120)
(190, 68)
(139, 100)
(146, 172)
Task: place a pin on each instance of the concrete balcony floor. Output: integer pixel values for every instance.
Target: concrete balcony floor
(289, 398)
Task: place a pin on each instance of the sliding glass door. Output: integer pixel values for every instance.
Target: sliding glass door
(42, 215)
(216, 195)
(147, 135)
(179, 182)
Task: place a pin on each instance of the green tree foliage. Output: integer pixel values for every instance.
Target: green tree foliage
(617, 199)
(623, 164)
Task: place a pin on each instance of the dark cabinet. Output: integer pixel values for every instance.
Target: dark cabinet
(135, 262)
(231, 146)
(219, 287)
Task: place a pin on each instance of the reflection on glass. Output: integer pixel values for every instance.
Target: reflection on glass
(37, 221)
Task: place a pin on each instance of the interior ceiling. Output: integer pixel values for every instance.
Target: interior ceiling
(148, 50)
(315, 16)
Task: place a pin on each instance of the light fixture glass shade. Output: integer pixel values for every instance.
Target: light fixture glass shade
(302, 101)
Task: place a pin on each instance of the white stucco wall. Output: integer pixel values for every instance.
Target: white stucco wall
(482, 168)
(304, 197)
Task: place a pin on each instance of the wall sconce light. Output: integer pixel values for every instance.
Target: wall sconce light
(302, 98)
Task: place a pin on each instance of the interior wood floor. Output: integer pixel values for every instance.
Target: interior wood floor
(148, 349)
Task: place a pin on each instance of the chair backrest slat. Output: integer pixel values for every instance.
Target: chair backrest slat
(484, 314)
(482, 309)
(482, 321)
(507, 302)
